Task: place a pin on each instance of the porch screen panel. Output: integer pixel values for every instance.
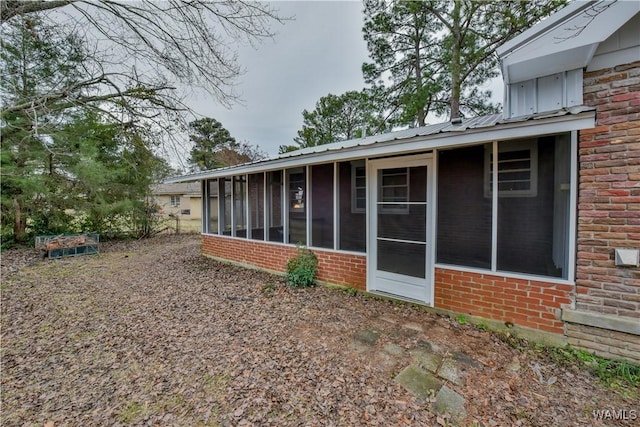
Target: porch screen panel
(274, 209)
(352, 206)
(297, 205)
(239, 204)
(212, 225)
(225, 184)
(402, 221)
(464, 212)
(256, 206)
(532, 228)
(322, 206)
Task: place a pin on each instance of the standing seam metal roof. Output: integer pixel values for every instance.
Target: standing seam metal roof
(475, 123)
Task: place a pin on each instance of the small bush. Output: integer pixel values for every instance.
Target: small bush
(301, 270)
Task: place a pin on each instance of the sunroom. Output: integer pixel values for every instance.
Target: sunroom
(486, 196)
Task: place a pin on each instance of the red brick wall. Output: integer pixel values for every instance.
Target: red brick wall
(333, 267)
(609, 193)
(528, 303)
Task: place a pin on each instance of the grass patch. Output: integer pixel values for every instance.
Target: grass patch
(132, 412)
(617, 374)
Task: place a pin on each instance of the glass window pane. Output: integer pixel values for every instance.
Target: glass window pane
(464, 213)
(240, 211)
(322, 206)
(225, 189)
(296, 201)
(402, 258)
(352, 204)
(212, 226)
(256, 205)
(404, 226)
(274, 181)
(532, 231)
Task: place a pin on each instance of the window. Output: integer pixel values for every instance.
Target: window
(213, 206)
(358, 187)
(175, 201)
(532, 218)
(393, 191)
(296, 200)
(256, 206)
(352, 232)
(322, 206)
(240, 206)
(274, 212)
(517, 169)
(464, 214)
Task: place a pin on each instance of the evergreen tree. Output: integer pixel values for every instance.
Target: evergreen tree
(339, 118)
(214, 147)
(431, 57)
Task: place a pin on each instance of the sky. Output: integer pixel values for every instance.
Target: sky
(319, 52)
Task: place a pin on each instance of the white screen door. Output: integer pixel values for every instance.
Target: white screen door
(400, 250)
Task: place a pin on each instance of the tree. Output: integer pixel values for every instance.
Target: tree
(214, 147)
(68, 159)
(338, 118)
(139, 53)
(35, 58)
(431, 56)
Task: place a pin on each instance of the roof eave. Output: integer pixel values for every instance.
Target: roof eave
(533, 126)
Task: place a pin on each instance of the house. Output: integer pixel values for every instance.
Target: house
(528, 218)
(183, 199)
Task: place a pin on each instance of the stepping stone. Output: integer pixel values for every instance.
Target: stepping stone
(388, 320)
(367, 336)
(426, 359)
(514, 365)
(450, 372)
(429, 346)
(393, 349)
(461, 357)
(413, 326)
(421, 383)
(450, 402)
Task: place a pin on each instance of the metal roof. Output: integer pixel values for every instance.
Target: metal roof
(185, 188)
(472, 130)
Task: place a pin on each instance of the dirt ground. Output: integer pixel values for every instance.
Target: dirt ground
(152, 333)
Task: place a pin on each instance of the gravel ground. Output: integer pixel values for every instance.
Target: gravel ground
(152, 333)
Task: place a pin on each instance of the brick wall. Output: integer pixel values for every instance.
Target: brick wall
(609, 210)
(609, 193)
(333, 267)
(528, 303)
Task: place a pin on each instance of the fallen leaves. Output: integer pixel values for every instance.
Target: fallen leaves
(152, 333)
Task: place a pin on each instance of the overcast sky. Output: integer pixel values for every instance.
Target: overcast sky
(320, 51)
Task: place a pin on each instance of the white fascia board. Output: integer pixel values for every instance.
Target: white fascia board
(506, 131)
(550, 64)
(569, 40)
(542, 27)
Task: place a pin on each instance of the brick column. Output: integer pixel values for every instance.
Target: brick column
(609, 209)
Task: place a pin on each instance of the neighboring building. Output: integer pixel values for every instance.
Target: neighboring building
(182, 199)
(530, 217)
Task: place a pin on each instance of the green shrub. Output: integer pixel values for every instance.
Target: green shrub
(301, 270)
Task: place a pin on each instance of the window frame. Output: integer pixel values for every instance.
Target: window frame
(382, 208)
(174, 201)
(355, 165)
(508, 147)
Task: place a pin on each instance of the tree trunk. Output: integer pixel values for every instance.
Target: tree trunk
(455, 62)
(19, 223)
(421, 116)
